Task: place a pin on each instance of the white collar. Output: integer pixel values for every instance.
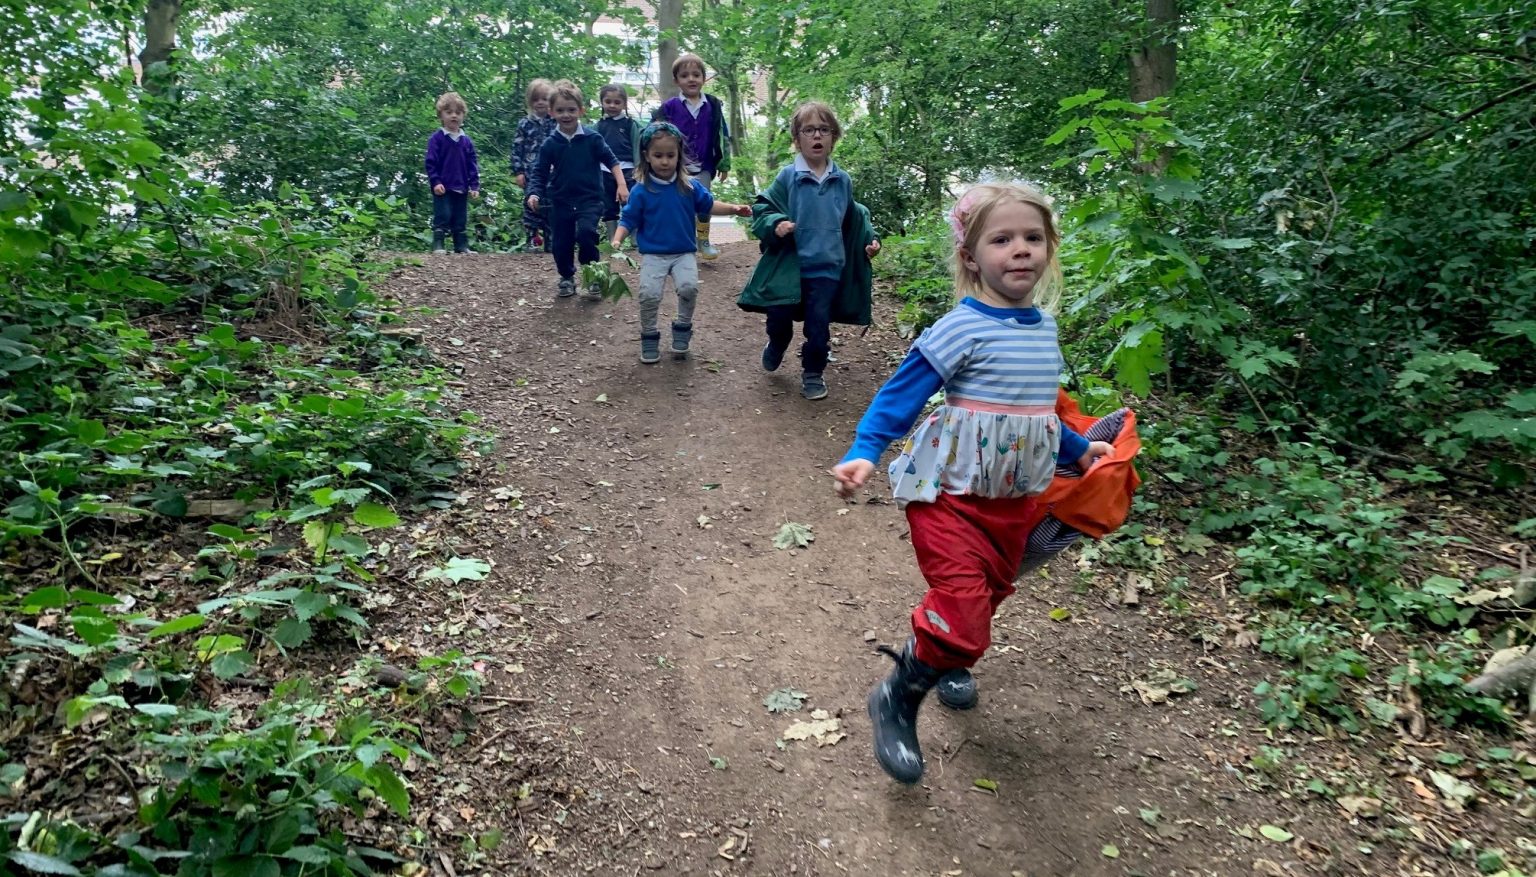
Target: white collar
(453, 134)
(804, 167)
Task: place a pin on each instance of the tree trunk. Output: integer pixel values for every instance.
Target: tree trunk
(669, 17)
(1153, 63)
(1154, 68)
(160, 18)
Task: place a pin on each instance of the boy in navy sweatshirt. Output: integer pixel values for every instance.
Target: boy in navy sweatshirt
(453, 172)
(563, 176)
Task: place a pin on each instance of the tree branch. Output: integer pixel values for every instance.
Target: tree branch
(1487, 105)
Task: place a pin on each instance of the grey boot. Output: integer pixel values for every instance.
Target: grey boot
(461, 242)
(893, 706)
(682, 334)
(567, 287)
(650, 347)
(437, 241)
(813, 386)
(957, 689)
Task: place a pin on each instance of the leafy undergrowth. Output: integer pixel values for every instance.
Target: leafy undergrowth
(212, 424)
(1381, 596)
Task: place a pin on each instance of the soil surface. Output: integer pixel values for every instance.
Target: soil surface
(639, 615)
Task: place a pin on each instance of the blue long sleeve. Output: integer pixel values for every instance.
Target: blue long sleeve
(896, 407)
(1073, 446)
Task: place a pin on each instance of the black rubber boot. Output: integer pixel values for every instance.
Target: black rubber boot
(437, 241)
(461, 242)
(957, 689)
(893, 708)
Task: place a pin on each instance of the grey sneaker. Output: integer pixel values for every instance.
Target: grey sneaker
(650, 347)
(567, 287)
(812, 386)
(594, 292)
(682, 334)
(772, 357)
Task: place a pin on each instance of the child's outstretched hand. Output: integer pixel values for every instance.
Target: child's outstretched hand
(872, 249)
(744, 210)
(851, 476)
(439, 189)
(1095, 451)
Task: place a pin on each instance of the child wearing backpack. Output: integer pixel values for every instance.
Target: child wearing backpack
(969, 477)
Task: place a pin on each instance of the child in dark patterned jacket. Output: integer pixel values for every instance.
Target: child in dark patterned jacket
(532, 130)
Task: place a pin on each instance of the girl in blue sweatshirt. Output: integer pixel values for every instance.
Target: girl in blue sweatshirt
(660, 214)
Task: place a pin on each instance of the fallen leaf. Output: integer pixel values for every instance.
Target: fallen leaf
(793, 534)
(1457, 793)
(1160, 686)
(989, 785)
(1110, 851)
(826, 731)
(1420, 789)
(785, 700)
(1060, 614)
(1275, 833)
(1363, 807)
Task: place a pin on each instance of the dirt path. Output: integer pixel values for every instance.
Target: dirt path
(641, 606)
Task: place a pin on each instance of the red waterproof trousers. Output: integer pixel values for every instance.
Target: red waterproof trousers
(969, 549)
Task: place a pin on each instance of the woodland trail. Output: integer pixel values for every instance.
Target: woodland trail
(640, 615)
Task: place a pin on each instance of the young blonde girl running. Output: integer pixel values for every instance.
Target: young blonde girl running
(968, 475)
(660, 214)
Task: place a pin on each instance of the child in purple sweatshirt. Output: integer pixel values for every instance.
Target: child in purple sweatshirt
(706, 136)
(453, 172)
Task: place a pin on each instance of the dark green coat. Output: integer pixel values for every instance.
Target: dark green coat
(776, 279)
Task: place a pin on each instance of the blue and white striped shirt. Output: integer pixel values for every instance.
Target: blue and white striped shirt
(904, 395)
(989, 358)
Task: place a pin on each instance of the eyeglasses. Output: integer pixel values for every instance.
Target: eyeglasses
(817, 131)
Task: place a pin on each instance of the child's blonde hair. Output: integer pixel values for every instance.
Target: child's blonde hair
(566, 90)
(536, 89)
(968, 218)
(809, 112)
(450, 100)
(613, 88)
(684, 60)
(648, 136)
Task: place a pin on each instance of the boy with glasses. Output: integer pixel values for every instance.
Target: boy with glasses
(809, 214)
